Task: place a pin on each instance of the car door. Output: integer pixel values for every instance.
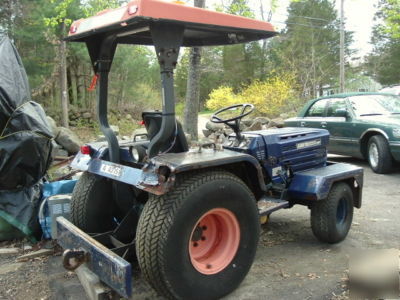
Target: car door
(315, 116)
(339, 123)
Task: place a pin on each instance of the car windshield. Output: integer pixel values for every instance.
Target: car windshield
(369, 105)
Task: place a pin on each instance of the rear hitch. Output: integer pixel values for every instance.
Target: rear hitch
(72, 259)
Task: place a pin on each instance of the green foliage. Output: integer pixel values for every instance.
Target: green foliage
(390, 10)
(179, 109)
(61, 12)
(309, 46)
(383, 63)
(269, 97)
(240, 8)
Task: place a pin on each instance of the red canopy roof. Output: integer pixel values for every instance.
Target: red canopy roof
(202, 27)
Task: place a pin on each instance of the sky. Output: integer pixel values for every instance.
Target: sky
(358, 13)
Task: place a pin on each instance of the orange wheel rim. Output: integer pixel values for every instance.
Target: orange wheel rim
(214, 241)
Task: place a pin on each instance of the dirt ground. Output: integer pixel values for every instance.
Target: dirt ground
(290, 262)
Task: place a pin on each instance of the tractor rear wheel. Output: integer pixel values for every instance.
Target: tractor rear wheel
(331, 218)
(199, 240)
(92, 205)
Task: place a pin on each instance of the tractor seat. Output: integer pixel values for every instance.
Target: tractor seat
(152, 121)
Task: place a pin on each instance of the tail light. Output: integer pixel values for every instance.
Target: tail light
(86, 150)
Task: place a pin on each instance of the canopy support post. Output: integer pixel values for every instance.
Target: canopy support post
(167, 40)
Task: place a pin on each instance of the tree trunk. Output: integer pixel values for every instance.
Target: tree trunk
(63, 81)
(193, 88)
(74, 85)
(263, 72)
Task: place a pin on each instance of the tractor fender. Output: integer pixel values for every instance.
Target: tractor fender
(244, 165)
(315, 184)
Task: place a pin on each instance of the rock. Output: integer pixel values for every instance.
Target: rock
(100, 138)
(206, 132)
(34, 254)
(128, 117)
(60, 152)
(278, 122)
(115, 128)
(68, 140)
(257, 125)
(53, 126)
(87, 115)
(247, 122)
(56, 147)
(263, 120)
(8, 251)
(228, 131)
(284, 115)
(214, 126)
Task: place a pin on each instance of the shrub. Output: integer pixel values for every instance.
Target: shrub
(270, 97)
(221, 97)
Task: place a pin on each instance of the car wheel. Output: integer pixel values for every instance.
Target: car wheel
(379, 156)
(199, 240)
(331, 218)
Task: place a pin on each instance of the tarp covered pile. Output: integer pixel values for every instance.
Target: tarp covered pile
(25, 143)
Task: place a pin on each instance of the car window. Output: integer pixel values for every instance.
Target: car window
(367, 105)
(317, 109)
(334, 105)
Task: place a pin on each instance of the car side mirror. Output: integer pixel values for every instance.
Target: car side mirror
(342, 112)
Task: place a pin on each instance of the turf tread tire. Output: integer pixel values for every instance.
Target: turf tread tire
(156, 219)
(85, 200)
(323, 215)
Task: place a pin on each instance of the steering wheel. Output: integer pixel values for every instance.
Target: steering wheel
(234, 122)
(216, 119)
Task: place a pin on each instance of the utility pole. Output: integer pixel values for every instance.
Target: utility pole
(341, 79)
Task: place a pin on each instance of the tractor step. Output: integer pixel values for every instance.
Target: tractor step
(267, 205)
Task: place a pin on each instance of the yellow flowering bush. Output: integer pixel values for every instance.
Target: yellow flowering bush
(270, 97)
(221, 97)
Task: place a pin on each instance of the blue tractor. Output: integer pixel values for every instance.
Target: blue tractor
(190, 218)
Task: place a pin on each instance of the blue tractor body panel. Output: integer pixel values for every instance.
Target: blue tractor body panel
(281, 150)
(315, 184)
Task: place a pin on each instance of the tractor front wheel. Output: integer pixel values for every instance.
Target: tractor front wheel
(331, 218)
(199, 240)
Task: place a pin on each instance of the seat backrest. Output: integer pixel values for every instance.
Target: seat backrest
(152, 121)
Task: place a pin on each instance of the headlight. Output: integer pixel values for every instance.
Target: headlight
(138, 153)
(135, 154)
(396, 133)
(243, 143)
